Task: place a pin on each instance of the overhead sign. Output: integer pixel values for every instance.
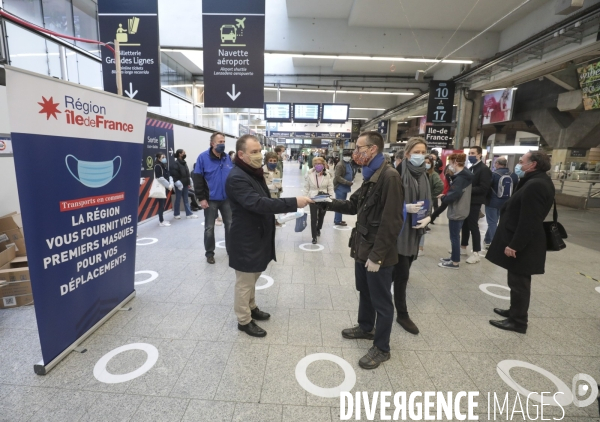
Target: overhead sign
(233, 34)
(356, 125)
(382, 127)
(134, 23)
(589, 81)
(438, 136)
(441, 101)
(76, 151)
(328, 135)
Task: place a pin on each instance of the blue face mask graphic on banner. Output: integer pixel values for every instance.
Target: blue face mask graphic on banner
(94, 174)
(220, 148)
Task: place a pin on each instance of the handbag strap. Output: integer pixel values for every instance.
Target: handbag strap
(555, 213)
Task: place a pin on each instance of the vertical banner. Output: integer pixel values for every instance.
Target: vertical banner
(441, 102)
(158, 138)
(76, 153)
(134, 23)
(233, 35)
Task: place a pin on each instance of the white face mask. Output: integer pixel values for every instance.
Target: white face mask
(346, 159)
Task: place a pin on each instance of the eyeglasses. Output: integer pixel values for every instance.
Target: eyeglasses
(363, 146)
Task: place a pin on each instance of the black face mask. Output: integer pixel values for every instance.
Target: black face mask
(183, 156)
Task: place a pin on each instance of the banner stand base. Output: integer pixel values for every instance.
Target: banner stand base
(41, 369)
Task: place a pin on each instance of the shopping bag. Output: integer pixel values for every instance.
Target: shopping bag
(157, 190)
(301, 223)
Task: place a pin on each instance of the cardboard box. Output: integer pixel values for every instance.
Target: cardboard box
(15, 284)
(16, 301)
(11, 232)
(7, 255)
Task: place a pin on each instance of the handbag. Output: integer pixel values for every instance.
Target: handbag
(157, 190)
(555, 233)
(300, 223)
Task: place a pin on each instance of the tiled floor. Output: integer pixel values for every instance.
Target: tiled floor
(209, 371)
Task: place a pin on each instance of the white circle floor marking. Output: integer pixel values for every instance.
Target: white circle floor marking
(269, 283)
(220, 244)
(151, 239)
(153, 276)
(342, 228)
(484, 288)
(104, 376)
(345, 386)
(305, 246)
(598, 289)
(564, 399)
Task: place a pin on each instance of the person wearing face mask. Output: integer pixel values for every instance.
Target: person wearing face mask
(271, 172)
(437, 187)
(416, 187)
(253, 228)
(181, 176)
(519, 245)
(503, 185)
(210, 173)
(378, 206)
(342, 184)
(317, 181)
(482, 180)
(161, 173)
(399, 156)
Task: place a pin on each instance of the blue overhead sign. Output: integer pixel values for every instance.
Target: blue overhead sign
(330, 135)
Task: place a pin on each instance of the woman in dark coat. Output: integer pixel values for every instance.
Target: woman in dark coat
(519, 245)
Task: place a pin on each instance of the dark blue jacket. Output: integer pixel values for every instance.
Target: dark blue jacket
(496, 202)
(214, 171)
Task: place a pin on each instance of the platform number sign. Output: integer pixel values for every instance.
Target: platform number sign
(441, 101)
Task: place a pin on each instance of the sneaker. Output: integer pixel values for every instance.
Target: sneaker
(177, 217)
(252, 329)
(421, 252)
(259, 315)
(356, 332)
(486, 245)
(164, 224)
(446, 259)
(192, 216)
(373, 358)
(473, 259)
(448, 264)
(463, 252)
(341, 223)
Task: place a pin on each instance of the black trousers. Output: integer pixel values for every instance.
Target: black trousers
(375, 307)
(520, 294)
(400, 276)
(471, 226)
(317, 215)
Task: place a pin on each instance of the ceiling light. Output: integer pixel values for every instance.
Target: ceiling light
(363, 58)
(331, 91)
(367, 108)
(415, 117)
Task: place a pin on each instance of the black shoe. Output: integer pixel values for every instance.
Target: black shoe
(431, 222)
(314, 241)
(427, 229)
(502, 312)
(259, 315)
(373, 358)
(406, 323)
(210, 259)
(318, 233)
(509, 325)
(356, 332)
(252, 329)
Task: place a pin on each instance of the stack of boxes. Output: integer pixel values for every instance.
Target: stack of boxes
(15, 284)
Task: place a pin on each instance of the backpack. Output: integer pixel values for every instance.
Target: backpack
(505, 186)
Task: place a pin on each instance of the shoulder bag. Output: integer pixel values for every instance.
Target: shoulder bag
(157, 191)
(555, 233)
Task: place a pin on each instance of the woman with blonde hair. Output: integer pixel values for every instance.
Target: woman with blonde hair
(318, 180)
(417, 190)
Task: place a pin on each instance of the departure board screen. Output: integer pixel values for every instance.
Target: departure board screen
(278, 112)
(335, 113)
(306, 113)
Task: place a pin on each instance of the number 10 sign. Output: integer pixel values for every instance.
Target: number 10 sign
(441, 101)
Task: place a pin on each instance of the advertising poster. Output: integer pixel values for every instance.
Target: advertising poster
(498, 106)
(158, 138)
(422, 125)
(76, 153)
(134, 23)
(589, 81)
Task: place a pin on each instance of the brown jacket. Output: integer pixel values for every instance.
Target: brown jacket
(378, 204)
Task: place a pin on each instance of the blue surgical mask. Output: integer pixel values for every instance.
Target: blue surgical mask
(163, 160)
(220, 148)
(94, 174)
(417, 159)
(472, 159)
(272, 166)
(518, 170)
(427, 166)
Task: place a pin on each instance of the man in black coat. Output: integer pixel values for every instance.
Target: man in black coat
(482, 180)
(252, 229)
(520, 242)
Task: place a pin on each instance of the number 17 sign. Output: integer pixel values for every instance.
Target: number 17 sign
(441, 101)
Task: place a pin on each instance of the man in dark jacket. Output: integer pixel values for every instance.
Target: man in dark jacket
(210, 173)
(520, 242)
(180, 173)
(500, 191)
(437, 165)
(482, 179)
(253, 229)
(378, 204)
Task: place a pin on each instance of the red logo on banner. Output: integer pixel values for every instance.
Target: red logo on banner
(49, 107)
(91, 201)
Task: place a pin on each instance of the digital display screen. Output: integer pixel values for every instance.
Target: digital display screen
(335, 113)
(278, 112)
(306, 113)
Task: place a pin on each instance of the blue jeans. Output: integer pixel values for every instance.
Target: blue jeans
(455, 227)
(210, 215)
(375, 303)
(492, 215)
(186, 202)
(337, 218)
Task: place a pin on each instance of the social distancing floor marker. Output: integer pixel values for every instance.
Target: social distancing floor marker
(269, 283)
(305, 247)
(153, 276)
(220, 244)
(102, 375)
(342, 228)
(152, 240)
(346, 386)
(484, 288)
